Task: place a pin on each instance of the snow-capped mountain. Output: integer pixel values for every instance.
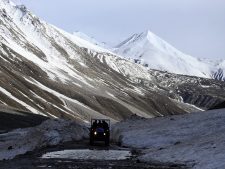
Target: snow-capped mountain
(153, 52)
(48, 71)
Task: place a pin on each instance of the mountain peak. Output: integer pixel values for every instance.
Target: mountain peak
(143, 37)
(14, 10)
(148, 33)
(158, 54)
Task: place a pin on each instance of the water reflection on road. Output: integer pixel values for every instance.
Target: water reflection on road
(86, 154)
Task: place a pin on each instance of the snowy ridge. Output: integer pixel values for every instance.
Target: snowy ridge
(90, 39)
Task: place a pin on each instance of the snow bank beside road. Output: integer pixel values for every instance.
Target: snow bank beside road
(50, 132)
(197, 139)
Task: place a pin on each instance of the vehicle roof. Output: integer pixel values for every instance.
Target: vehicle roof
(100, 119)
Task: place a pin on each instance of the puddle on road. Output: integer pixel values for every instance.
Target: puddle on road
(86, 154)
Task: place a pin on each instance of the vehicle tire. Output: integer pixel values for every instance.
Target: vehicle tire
(106, 142)
(91, 141)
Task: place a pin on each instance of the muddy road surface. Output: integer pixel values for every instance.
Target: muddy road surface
(80, 155)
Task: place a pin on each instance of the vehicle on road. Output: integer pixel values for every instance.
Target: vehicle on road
(100, 131)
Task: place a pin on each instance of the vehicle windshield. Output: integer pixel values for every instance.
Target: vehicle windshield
(100, 123)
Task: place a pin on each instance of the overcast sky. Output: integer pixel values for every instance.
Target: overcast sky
(196, 27)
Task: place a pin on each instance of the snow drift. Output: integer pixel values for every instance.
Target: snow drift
(49, 133)
(197, 139)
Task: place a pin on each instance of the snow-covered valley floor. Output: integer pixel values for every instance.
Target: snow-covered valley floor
(196, 140)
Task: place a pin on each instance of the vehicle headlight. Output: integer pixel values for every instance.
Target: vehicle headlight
(104, 134)
(95, 133)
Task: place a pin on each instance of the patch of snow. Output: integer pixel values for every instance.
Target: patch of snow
(197, 108)
(204, 86)
(110, 94)
(77, 84)
(37, 96)
(82, 64)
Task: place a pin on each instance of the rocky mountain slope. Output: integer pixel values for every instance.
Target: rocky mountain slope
(151, 51)
(48, 71)
(219, 71)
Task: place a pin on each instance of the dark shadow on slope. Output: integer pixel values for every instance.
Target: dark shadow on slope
(13, 119)
(218, 106)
